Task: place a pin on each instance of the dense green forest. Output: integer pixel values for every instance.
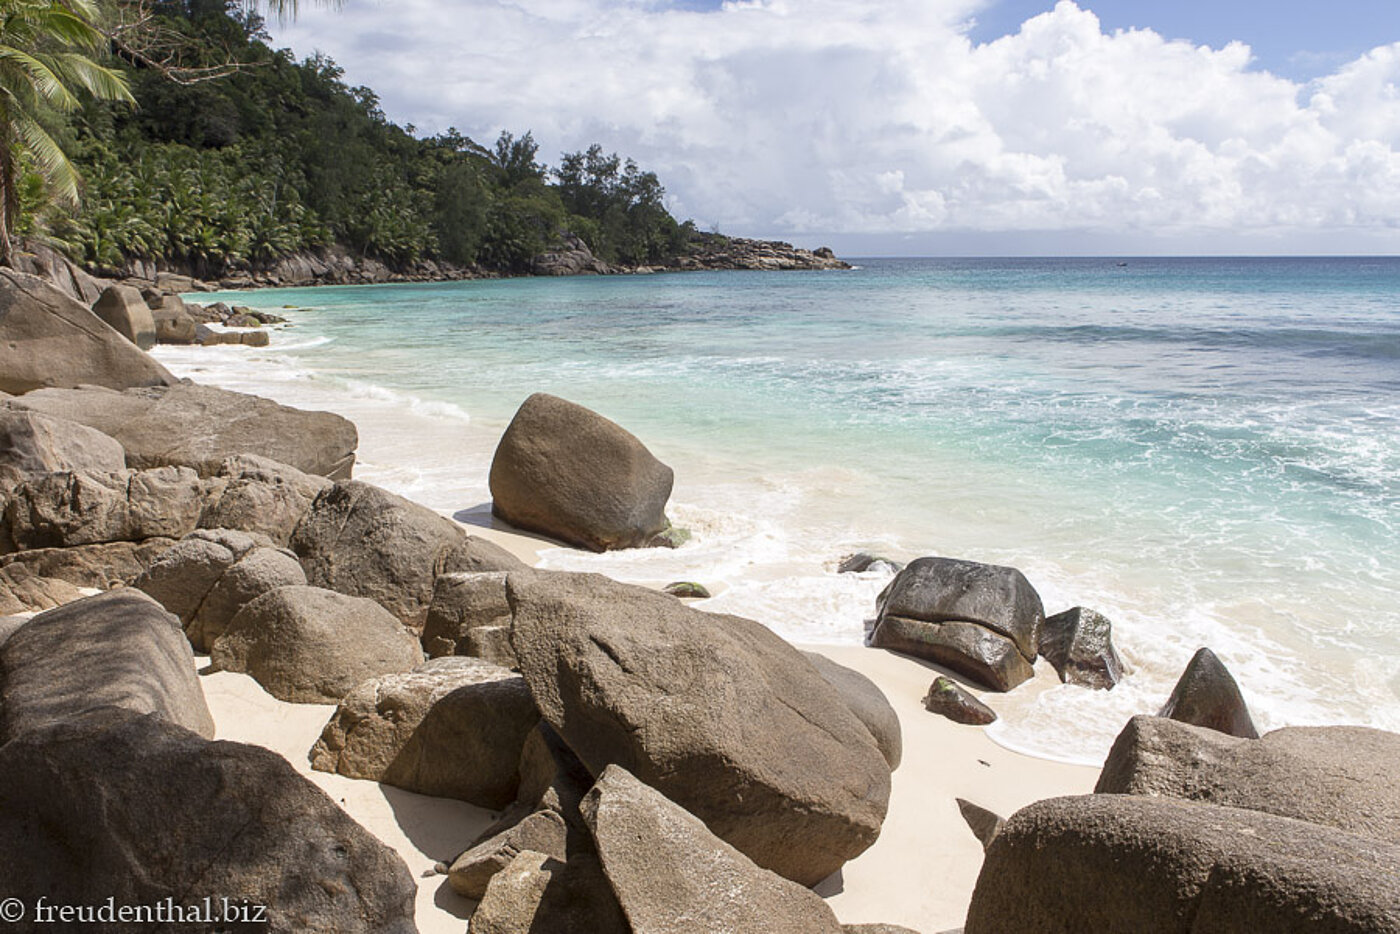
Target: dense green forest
(282, 156)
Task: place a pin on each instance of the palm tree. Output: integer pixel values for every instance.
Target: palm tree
(47, 50)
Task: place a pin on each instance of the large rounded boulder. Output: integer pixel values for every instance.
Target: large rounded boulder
(306, 645)
(715, 712)
(122, 307)
(567, 472)
(980, 620)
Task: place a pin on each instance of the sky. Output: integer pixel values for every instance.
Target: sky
(930, 127)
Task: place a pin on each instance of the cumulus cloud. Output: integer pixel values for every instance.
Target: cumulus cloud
(797, 117)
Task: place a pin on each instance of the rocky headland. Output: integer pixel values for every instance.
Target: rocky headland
(177, 559)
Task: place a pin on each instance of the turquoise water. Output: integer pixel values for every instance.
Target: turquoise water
(1208, 450)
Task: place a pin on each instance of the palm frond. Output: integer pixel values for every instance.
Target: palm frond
(48, 157)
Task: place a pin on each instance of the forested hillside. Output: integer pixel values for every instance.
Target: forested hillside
(283, 156)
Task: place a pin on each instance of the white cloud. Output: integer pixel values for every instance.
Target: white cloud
(795, 117)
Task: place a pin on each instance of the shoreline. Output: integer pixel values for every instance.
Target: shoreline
(924, 834)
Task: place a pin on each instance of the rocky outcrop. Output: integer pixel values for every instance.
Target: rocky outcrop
(984, 824)
(173, 321)
(118, 649)
(1206, 695)
(306, 645)
(200, 427)
(60, 510)
(867, 702)
(1129, 863)
(38, 259)
(669, 872)
(715, 712)
(980, 620)
(254, 494)
(452, 728)
(48, 339)
(536, 894)
(31, 443)
(112, 564)
(1338, 776)
(718, 252)
(140, 811)
(569, 473)
(1079, 644)
(126, 312)
(949, 699)
(569, 257)
(365, 541)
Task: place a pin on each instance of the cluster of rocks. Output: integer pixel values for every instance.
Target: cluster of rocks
(739, 253)
(986, 623)
(654, 764)
(1195, 828)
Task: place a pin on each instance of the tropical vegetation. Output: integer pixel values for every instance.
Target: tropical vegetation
(248, 156)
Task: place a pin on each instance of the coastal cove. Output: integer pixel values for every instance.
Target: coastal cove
(1204, 450)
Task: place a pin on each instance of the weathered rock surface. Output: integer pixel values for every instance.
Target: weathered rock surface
(117, 649)
(569, 473)
(104, 566)
(23, 592)
(687, 590)
(1206, 695)
(741, 253)
(126, 312)
(1129, 863)
(200, 426)
(48, 339)
(1079, 644)
(306, 645)
(976, 652)
(716, 712)
(60, 510)
(865, 561)
(255, 494)
(949, 699)
(541, 832)
(367, 542)
(669, 872)
(453, 728)
(948, 589)
(1340, 776)
(867, 702)
(462, 603)
(536, 894)
(39, 259)
(32, 443)
(138, 810)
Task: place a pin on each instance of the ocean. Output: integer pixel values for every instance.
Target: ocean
(1205, 450)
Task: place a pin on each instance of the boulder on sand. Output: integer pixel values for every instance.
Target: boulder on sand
(367, 542)
(716, 712)
(981, 620)
(306, 645)
(123, 308)
(117, 649)
(1340, 776)
(1206, 695)
(48, 339)
(668, 871)
(453, 728)
(1129, 863)
(1079, 644)
(137, 810)
(567, 472)
(950, 699)
(199, 426)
